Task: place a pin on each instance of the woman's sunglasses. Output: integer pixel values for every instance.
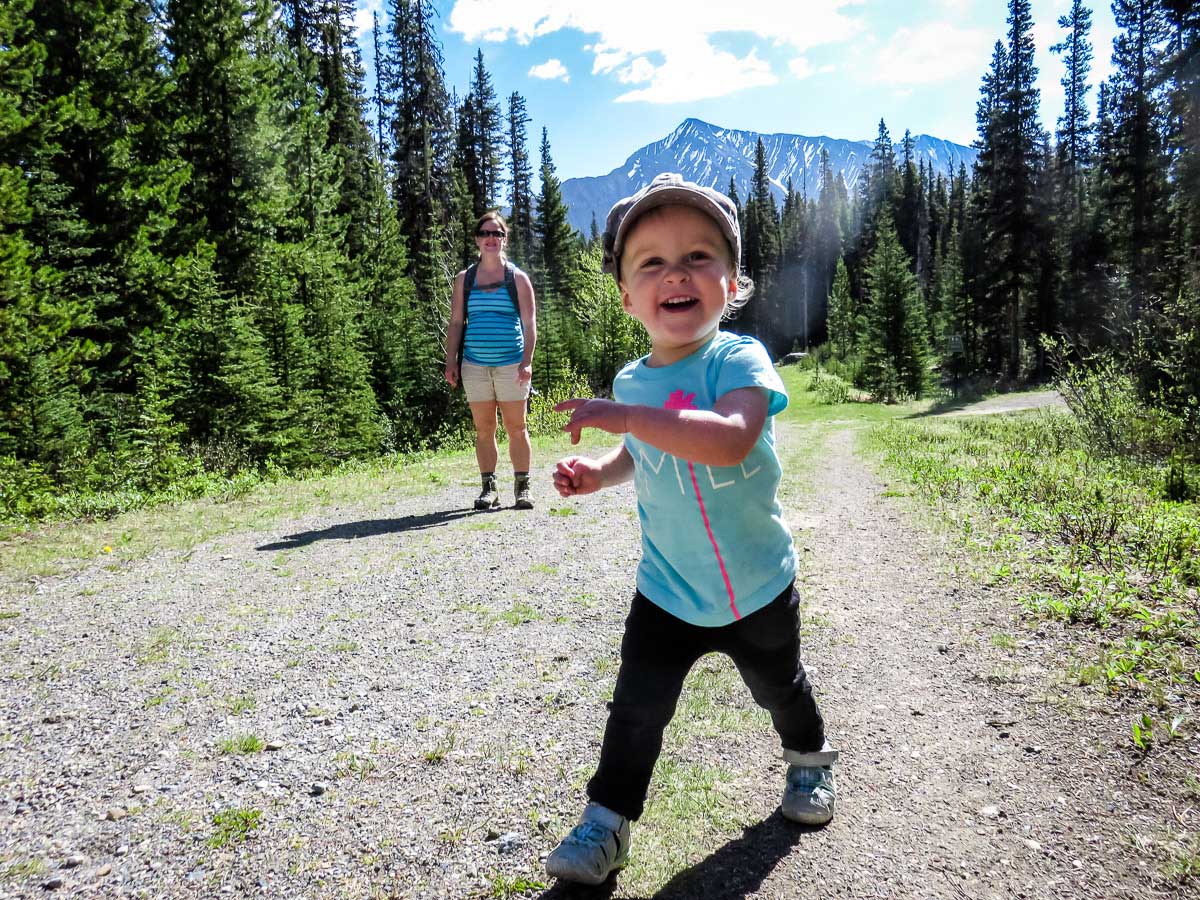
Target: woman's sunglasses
(487, 233)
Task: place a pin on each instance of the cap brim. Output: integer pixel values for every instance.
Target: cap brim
(672, 196)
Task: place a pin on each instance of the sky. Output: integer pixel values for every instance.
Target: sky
(606, 77)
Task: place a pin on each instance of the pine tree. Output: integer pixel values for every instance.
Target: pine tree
(343, 106)
(1176, 367)
(104, 197)
(1138, 162)
(520, 197)
(905, 214)
(1074, 161)
(1074, 129)
(29, 324)
(381, 103)
(556, 239)
(895, 354)
(222, 94)
(336, 406)
(827, 239)
(1010, 143)
(879, 181)
(480, 140)
(760, 240)
(422, 134)
(843, 322)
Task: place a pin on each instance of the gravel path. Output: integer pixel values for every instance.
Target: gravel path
(428, 685)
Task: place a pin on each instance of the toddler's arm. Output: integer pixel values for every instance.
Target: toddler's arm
(722, 436)
(582, 475)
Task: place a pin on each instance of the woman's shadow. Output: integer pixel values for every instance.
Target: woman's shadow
(348, 531)
(734, 871)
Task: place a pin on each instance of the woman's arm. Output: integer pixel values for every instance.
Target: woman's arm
(723, 436)
(454, 330)
(527, 306)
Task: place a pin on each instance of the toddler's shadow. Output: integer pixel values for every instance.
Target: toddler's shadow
(734, 871)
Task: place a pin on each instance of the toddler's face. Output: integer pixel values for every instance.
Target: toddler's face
(676, 277)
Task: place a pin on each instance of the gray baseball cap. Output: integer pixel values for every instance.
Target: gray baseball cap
(668, 189)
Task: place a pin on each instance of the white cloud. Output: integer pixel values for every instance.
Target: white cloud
(931, 54)
(801, 68)
(550, 70)
(676, 34)
(362, 15)
(637, 72)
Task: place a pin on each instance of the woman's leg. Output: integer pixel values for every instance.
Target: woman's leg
(483, 413)
(519, 449)
(657, 652)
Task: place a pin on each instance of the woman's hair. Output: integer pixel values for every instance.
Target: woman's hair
(491, 216)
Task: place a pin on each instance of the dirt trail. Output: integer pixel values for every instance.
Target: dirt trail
(431, 683)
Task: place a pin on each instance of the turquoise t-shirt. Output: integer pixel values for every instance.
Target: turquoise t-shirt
(715, 546)
(494, 336)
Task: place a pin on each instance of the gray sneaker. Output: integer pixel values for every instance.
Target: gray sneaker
(809, 795)
(488, 498)
(811, 789)
(595, 848)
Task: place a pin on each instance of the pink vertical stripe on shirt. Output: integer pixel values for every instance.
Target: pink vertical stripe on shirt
(713, 540)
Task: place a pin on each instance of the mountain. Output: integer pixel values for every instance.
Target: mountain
(710, 155)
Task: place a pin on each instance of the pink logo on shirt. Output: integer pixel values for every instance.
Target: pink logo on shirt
(680, 400)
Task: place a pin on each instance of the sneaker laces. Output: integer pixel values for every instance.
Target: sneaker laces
(588, 834)
(809, 778)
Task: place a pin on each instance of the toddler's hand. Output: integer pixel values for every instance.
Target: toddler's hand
(603, 414)
(576, 475)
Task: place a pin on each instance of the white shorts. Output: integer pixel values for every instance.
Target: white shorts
(492, 383)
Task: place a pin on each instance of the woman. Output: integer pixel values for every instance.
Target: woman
(496, 355)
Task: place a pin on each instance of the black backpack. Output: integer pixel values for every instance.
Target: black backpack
(510, 285)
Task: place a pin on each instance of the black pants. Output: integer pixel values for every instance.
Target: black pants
(657, 653)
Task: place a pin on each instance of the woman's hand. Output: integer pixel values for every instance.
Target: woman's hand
(577, 475)
(607, 415)
(524, 373)
(452, 373)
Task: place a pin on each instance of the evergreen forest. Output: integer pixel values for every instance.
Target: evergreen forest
(220, 253)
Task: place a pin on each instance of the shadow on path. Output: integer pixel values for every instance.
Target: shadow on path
(348, 531)
(733, 872)
(949, 405)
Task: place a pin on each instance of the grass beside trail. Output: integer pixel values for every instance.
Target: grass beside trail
(50, 549)
(1088, 541)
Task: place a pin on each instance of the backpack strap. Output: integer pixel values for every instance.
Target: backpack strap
(468, 286)
(510, 285)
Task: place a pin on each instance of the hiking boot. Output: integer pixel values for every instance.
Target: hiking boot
(488, 498)
(811, 789)
(595, 848)
(524, 500)
(809, 795)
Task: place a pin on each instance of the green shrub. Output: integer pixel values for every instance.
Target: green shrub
(543, 420)
(1116, 421)
(26, 492)
(830, 389)
(1179, 485)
